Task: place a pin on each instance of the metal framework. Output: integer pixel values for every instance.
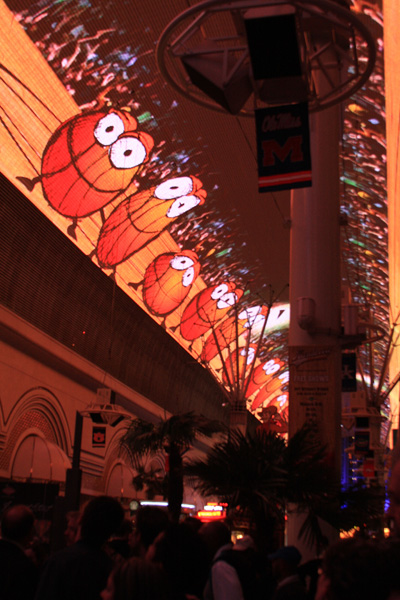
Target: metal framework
(330, 36)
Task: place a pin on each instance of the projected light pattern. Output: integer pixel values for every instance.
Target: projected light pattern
(155, 215)
(364, 200)
(126, 192)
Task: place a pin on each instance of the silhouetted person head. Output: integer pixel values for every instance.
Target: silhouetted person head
(184, 556)
(71, 530)
(194, 523)
(150, 521)
(285, 562)
(101, 517)
(17, 524)
(215, 535)
(137, 579)
(119, 546)
(351, 570)
(124, 531)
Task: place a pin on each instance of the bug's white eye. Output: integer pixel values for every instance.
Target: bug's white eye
(284, 377)
(180, 263)
(227, 300)
(258, 321)
(182, 205)
(127, 152)
(188, 277)
(173, 188)
(250, 356)
(249, 313)
(271, 367)
(282, 399)
(108, 129)
(219, 291)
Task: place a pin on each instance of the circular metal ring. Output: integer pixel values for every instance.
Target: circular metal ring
(173, 44)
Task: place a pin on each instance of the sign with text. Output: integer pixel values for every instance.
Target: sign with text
(313, 389)
(283, 147)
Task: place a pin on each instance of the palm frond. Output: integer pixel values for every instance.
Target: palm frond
(262, 473)
(311, 531)
(358, 507)
(247, 469)
(182, 429)
(141, 438)
(173, 436)
(149, 479)
(309, 474)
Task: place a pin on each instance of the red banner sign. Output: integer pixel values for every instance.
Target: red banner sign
(283, 147)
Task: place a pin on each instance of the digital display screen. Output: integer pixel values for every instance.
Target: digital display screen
(93, 136)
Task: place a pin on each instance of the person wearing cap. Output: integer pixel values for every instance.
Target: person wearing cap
(284, 563)
(233, 574)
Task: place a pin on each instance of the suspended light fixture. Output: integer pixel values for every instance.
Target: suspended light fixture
(237, 55)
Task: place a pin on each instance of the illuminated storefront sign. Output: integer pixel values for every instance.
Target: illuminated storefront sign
(213, 512)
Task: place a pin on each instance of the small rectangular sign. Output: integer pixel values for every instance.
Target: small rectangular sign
(283, 147)
(349, 372)
(98, 436)
(361, 442)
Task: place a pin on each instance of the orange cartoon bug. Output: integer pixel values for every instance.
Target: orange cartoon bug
(90, 160)
(207, 308)
(270, 389)
(249, 319)
(168, 280)
(139, 219)
(262, 374)
(237, 363)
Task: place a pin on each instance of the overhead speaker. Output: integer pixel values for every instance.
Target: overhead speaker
(275, 55)
(220, 79)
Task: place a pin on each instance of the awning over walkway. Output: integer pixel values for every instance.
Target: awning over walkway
(37, 458)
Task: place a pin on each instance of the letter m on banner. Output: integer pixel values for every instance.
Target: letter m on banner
(283, 147)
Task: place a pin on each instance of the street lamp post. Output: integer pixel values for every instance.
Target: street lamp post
(74, 474)
(108, 414)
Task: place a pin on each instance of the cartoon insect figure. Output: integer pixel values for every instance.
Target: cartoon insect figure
(262, 374)
(90, 160)
(207, 308)
(270, 389)
(140, 218)
(237, 363)
(275, 418)
(168, 280)
(250, 319)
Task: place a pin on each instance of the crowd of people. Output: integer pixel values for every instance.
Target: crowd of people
(108, 556)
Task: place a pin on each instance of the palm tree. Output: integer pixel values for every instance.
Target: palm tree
(246, 471)
(173, 436)
(262, 474)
